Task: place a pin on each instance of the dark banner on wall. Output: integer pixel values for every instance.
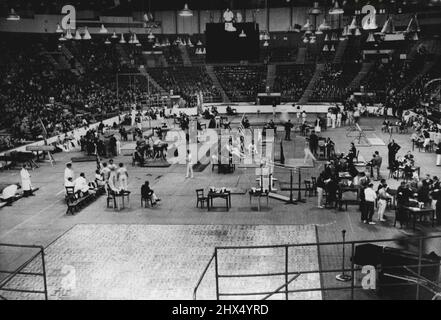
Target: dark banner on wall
(229, 43)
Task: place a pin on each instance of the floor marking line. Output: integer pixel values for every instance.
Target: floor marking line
(34, 216)
(350, 222)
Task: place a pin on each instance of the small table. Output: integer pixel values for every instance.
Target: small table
(352, 191)
(223, 195)
(259, 194)
(401, 170)
(414, 212)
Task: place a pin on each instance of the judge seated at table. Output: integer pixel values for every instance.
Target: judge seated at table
(147, 192)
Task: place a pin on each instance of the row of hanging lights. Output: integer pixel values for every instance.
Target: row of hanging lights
(67, 35)
(353, 29)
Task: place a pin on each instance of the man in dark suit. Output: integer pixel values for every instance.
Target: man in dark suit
(377, 161)
(393, 149)
(288, 127)
(313, 143)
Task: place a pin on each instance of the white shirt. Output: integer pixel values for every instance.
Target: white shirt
(25, 179)
(9, 191)
(68, 173)
(189, 159)
(81, 184)
(370, 195)
(106, 173)
(122, 173)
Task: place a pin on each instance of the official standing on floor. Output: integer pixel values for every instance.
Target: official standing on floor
(26, 182)
(189, 161)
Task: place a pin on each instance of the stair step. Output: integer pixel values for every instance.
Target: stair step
(216, 83)
(365, 69)
(271, 76)
(310, 88)
(301, 56)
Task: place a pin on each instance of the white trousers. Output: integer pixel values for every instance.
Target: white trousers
(438, 159)
(381, 208)
(308, 154)
(123, 183)
(189, 171)
(320, 196)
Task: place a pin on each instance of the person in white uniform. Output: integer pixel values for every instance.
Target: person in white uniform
(68, 173)
(123, 177)
(113, 182)
(26, 182)
(189, 161)
(308, 154)
(333, 120)
(80, 185)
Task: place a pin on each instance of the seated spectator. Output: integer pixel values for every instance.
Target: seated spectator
(81, 187)
(147, 192)
(99, 179)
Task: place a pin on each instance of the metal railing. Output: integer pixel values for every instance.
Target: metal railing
(416, 278)
(19, 271)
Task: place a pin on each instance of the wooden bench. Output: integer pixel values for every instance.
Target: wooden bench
(74, 204)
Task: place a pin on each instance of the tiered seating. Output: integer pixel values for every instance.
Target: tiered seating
(411, 95)
(292, 80)
(332, 86)
(242, 83)
(392, 77)
(173, 55)
(283, 54)
(187, 82)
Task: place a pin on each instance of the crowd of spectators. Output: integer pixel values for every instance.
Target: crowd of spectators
(242, 83)
(332, 86)
(292, 80)
(37, 100)
(187, 82)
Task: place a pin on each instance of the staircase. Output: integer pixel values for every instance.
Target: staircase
(157, 86)
(301, 56)
(163, 61)
(63, 62)
(149, 60)
(216, 83)
(427, 67)
(67, 53)
(309, 90)
(123, 54)
(271, 76)
(185, 56)
(52, 60)
(78, 69)
(340, 51)
(365, 69)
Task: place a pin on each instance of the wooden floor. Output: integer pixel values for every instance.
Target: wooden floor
(41, 219)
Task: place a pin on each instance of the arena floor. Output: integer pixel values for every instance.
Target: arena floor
(129, 253)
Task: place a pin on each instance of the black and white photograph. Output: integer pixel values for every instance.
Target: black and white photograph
(218, 155)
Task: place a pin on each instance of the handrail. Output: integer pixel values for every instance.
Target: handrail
(323, 243)
(249, 275)
(202, 276)
(12, 274)
(282, 286)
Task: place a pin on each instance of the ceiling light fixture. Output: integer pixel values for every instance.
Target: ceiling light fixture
(186, 12)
